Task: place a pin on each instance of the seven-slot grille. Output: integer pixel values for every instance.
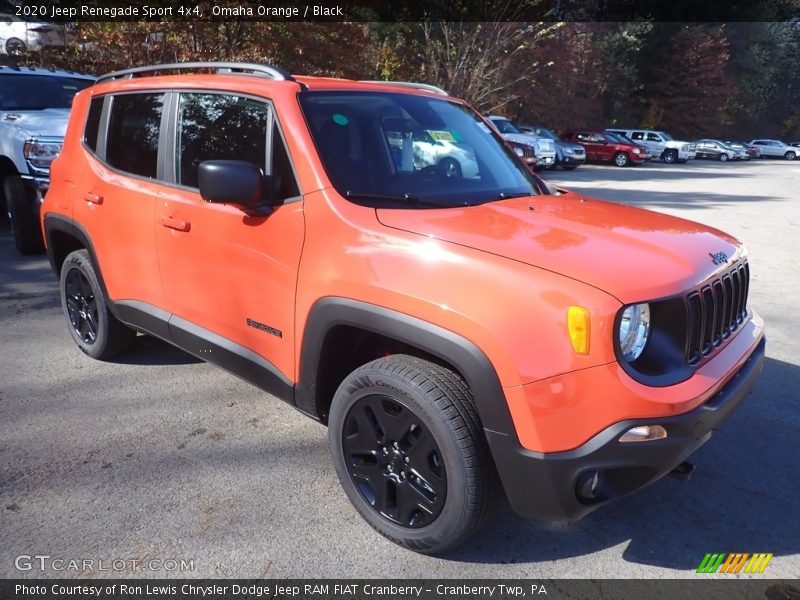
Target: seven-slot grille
(716, 310)
(527, 152)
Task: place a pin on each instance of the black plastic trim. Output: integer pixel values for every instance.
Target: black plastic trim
(543, 485)
(232, 357)
(453, 349)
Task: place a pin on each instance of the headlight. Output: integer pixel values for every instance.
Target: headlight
(569, 150)
(518, 151)
(41, 153)
(634, 329)
(636, 150)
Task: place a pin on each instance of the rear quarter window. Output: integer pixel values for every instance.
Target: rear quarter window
(133, 132)
(93, 123)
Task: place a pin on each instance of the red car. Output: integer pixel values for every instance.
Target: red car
(602, 147)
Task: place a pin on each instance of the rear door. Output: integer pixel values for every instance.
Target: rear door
(230, 275)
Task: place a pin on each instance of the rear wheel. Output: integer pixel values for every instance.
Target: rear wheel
(621, 159)
(24, 226)
(95, 330)
(410, 453)
(15, 47)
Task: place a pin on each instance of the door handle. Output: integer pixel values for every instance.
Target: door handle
(93, 198)
(176, 224)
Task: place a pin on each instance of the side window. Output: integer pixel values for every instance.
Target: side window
(219, 127)
(652, 137)
(284, 184)
(637, 135)
(93, 122)
(133, 131)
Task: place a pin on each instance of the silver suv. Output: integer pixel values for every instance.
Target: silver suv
(776, 148)
(34, 107)
(544, 148)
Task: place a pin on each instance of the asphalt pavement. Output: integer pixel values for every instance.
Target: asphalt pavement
(157, 457)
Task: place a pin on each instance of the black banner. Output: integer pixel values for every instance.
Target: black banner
(396, 589)
(430, 10)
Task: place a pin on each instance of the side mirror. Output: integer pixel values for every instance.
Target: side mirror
(236, 182)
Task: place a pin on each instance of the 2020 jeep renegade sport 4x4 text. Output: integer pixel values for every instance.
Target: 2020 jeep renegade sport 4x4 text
(447, 324)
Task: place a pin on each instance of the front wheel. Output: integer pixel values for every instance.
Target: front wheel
(24, 226)
(790, 155)
(450, 168)
(409, 452)
(723, 157)
(95, 330)
(621, 159)
(670, 156)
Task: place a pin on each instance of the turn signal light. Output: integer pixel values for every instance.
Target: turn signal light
(578, 325)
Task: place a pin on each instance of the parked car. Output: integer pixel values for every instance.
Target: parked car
(716, 150)
(545, 148)
(450, 332)
(568, 154)
(643, 151)
(601, 147)
(18, 37)
(442, 151)
(776, 149)
(750, 151)
(660, 144)
(34, 106)
(526, 152)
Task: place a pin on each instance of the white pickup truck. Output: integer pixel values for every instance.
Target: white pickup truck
(34, 108)
(660, 144)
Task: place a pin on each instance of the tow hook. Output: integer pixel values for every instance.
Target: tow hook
(683, 471)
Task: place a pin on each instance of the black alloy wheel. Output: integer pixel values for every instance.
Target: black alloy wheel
(410, 452)
(450, 167)
(81, 306)
(394, 461)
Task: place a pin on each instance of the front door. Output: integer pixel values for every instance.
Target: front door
(230, 276)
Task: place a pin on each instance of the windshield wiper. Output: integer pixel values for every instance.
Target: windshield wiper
(405, 198)
(504, 196)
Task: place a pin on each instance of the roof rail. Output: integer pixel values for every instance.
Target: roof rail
(412, 84)
(220, 67)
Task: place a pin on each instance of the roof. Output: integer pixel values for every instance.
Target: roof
(40, 71)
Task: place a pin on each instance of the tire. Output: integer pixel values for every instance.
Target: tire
(410, 454)
(15, 47)
(790, 155)
(570, 167)
(670, 156)
(95, 330)
(451, 168)
(25, 228)
(723, 157)
(621, 159)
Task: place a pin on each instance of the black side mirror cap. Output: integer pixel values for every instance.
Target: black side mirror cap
(236, 182)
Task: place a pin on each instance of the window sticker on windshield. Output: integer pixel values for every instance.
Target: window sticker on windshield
(441, 136)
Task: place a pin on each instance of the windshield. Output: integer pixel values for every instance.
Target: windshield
(505, 126)
(37, 92)
(545, 133)
(667, 137)
(383, 148)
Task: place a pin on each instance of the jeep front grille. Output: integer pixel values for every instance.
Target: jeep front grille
(715, 311)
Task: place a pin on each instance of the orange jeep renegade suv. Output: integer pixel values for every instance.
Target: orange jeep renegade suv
(378, 257)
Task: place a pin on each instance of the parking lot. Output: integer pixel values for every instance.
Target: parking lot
(160, 456)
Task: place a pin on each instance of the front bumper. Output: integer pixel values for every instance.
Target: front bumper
(573, 159)
(545, 485)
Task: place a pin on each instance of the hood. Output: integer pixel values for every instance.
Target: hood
(561, 144)
(522, 138)
(630, 253)
(47, 122)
